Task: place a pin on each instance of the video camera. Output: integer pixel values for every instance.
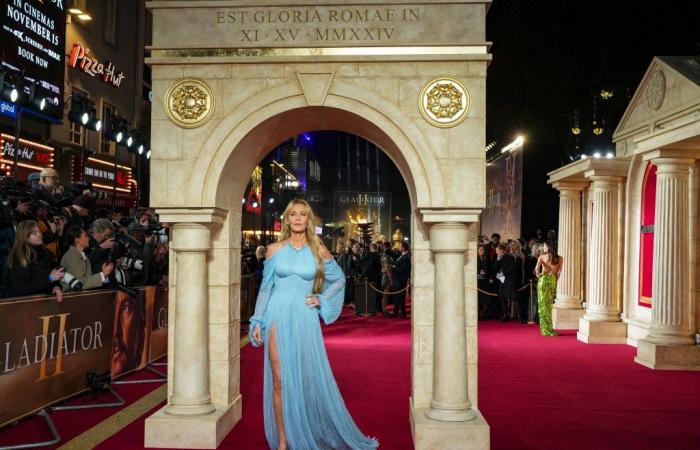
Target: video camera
(156, 229)
(11, 193)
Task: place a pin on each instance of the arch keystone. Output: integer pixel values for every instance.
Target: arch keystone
(315, 86)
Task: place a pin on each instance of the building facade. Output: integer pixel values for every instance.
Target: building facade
(103, 45)
(104, 62)
(628, 226)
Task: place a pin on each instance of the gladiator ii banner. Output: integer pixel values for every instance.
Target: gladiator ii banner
(159, 324)
(46, 349)
(504, 197)
(351, 208)
(131, 330)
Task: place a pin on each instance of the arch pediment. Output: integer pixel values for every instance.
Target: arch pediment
(666, 102)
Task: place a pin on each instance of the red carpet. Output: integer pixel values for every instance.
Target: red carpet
(371, 361)
(72, 423)
(557, 393)
(535, 392)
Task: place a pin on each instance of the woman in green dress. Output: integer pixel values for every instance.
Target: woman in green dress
(547, 270)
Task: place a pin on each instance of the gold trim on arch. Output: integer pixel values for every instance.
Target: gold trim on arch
(320, 51)
(455, 86)
(189, 103)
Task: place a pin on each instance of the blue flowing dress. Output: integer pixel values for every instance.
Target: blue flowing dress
(315, 415)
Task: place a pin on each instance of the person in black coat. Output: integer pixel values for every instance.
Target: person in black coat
(506, 270)
(484, 276)
(101, 244)
(32, 269)
(402, 272)
(372, 271)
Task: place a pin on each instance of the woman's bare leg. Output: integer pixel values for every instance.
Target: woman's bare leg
(277, 388)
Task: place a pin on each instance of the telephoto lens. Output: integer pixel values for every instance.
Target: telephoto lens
(73, 283)
(132, 263)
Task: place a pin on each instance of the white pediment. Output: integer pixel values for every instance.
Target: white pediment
(667, 97)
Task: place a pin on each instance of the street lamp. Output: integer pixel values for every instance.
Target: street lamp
(517, 143)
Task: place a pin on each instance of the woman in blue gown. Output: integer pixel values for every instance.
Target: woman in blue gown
(303, 408)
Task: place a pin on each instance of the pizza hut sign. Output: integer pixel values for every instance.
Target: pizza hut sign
(26, 153)
(79, 56)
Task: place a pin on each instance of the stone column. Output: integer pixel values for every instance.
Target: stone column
(191, 359)
(191, 419)
(670, 342)
(671, 319)
(450, 419)
(567, 307)
(601, 322)
(450, 399)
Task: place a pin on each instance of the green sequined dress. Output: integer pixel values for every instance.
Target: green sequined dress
(546, 289)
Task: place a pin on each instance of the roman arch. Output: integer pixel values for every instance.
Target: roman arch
(232, 79)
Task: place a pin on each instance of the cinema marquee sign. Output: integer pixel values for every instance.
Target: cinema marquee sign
(80, 57)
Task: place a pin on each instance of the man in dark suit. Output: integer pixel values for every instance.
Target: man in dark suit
(402, 272)
(505, 266)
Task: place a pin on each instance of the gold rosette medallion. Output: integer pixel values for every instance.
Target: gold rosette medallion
(189, 103)
(445, 102)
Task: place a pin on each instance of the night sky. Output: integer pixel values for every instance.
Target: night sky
(551, 58)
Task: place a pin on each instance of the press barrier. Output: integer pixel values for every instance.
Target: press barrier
(50, 350)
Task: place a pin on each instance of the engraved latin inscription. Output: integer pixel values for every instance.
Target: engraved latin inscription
(311, 25)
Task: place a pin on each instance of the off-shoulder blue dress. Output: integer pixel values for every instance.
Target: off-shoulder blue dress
(315, 415)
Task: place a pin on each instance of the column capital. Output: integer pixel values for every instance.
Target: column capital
(665, 164)
(190, 237)
(570, 187)
(604, 180)
(685, 154)
(438, 215)
(192, 215)
(449, 237)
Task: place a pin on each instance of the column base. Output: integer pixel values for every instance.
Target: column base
(566, 318)
(432, 434)
(205, 431)
(594, 332)
(667, 357)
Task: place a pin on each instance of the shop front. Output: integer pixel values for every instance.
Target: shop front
(31, 157)
(116, 189)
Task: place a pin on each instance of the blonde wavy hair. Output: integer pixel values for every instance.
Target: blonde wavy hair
(311, 238)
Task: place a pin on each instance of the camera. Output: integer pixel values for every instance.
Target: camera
(11, 193)
(154, 228)
(72, 282)
(132, 263)
(97, 382)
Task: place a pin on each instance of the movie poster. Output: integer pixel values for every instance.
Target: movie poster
(351, 209)
(47, 348)
(503, 197)
(158, 342)
(129, 339)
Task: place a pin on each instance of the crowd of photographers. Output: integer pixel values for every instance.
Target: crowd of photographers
(54, 241)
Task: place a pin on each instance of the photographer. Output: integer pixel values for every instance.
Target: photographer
(132, 254)
(51, 229)
(79, 274)
(31, 268)
(101, 243)
(48, 182)
(158, 272)
(78, 213)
